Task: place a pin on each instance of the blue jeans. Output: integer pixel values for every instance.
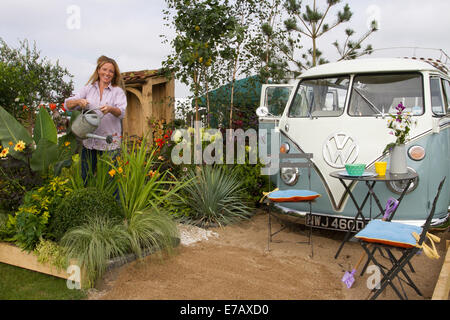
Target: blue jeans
(89, 158)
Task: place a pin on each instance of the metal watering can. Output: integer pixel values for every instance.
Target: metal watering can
(86, 123)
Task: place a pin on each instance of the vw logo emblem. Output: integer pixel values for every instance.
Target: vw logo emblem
(339, 149)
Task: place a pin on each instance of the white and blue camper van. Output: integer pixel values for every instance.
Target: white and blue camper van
(338, 112)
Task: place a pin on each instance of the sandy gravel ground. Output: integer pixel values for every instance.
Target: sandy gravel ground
(234, 263)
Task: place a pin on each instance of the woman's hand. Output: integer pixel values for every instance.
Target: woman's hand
(109, 109)
(83, 103)
(105, 109)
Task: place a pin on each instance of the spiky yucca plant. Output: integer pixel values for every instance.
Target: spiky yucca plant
(214, 196)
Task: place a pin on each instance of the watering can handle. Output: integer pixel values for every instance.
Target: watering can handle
(93, 109)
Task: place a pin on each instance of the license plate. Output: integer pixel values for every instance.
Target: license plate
(334, 223)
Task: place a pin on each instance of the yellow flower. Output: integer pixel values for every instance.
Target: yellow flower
(120, 170)
(197, 28)
(112, 172)
(4, 153)
(19, 146)
(200, 59)
(67, 143)
(11, 143)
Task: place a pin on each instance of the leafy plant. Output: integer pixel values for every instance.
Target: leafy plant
(252, 180)
(214, 196)
(75, 209)
(140, 184)
(29, 223)
(16, 178)
(28, 229)
(100, 180)
(27, 78)
(42, 152)
(49, 252)
(94, 242)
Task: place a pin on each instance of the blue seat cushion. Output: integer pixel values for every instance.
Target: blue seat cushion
(292, 195)
(391, 233)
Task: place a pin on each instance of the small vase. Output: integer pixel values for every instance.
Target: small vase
(398, 163)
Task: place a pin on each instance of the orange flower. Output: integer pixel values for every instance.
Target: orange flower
(120, 170)
(112, 172)
(11, 143)
(52, 106)
(151, 173)
(67, 143)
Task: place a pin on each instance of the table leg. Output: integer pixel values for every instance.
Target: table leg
(359, 213)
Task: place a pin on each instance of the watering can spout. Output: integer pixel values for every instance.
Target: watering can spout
(108, 139)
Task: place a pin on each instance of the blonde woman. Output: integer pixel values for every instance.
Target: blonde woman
(104, 93)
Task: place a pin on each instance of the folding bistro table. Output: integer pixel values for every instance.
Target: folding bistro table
(370, 179)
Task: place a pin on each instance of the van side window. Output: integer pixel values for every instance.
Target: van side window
(320, 98)
(374, 95)
(437, 101)
(447, 94)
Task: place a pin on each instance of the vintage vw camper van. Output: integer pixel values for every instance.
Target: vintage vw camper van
(338, 112)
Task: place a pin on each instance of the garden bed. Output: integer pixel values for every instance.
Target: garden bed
(13, 255)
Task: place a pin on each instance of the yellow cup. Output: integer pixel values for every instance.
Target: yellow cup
(380, 168)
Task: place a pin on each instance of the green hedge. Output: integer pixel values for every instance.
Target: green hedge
(79, 206)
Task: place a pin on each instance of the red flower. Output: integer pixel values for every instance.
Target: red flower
(25, 108)
(52, 106)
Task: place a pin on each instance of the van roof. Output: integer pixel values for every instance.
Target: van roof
(372, 66)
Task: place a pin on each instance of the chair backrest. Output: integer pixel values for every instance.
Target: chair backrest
(427, 224)
(299, 164)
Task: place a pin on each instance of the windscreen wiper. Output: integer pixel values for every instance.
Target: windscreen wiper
(374, 108)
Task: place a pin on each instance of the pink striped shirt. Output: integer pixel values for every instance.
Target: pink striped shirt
(109, 124)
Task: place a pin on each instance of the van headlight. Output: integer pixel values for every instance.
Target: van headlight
(289, 175)
(398, 186)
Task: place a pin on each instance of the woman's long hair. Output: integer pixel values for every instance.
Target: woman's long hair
(117, 80)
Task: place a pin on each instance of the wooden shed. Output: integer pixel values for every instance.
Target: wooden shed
(150, 97)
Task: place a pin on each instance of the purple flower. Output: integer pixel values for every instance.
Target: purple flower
(400, 107)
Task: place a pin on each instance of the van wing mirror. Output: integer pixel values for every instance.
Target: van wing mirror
(262, 111)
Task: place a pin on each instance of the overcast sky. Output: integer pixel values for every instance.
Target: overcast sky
(129, 30)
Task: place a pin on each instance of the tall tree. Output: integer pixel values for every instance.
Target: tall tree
(313, 22)
(28, 80)
(201, 26)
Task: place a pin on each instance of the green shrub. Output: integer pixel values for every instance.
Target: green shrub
(49, 252)
(215, 195)
(96, 241)
(81, 204)
(30, 223)
(151, 230)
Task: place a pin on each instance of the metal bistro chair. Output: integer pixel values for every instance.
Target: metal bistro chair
(291, 195)
(408, 239)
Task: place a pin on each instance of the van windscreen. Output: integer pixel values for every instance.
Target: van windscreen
(373, 95)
